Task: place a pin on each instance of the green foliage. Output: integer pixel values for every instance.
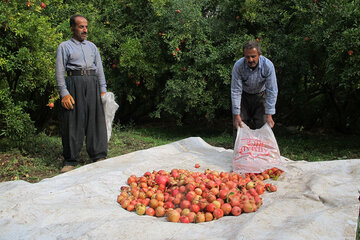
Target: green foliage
(315, 48)
(16, 124)
(27, 61)
(173, 58)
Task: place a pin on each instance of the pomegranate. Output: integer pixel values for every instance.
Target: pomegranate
(217, 204)
(223, 194)
(130, 207)
(150, 211)
(161, 179)
(186, 196)
(253, 192)
(173, 216)
(153, 203)
(218, 213)
(195, 208)
(203, 203)
(184, 219)
(198, 191)
(141, 209)
(208, 217)
(260, 189)
(200, 217)
(250, 184)
(226, 207)
(160, 196)
(190, 196)
(191, 216)
(210, 207)
(131, 179)
(210, 197)
(182, 189)
(168, 205)
(235, 201)
(185, 204)
(236, 211)
(185, 212)
(125, 203)
(248, 207)
(273, 188)
(160, 211)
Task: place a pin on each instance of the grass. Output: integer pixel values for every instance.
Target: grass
(42, 156)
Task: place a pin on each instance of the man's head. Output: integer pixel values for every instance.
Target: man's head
(79, 27)
(252, 53)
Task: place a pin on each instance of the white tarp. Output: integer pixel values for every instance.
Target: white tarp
(316, 200)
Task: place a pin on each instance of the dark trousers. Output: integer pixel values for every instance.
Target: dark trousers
(86, 119)
(252, 111)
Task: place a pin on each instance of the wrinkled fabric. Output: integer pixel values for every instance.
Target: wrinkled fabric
(315, 200)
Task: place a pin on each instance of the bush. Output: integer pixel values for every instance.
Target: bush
(15, 124)
(315, 48)
(173, 59)
(27, 62)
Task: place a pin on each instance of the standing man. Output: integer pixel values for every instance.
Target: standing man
(253, 88)
(81, 81)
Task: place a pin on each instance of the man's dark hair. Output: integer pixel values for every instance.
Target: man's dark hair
(72, 19)
(251, 45)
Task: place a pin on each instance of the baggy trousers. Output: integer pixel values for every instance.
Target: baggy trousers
(252, 111)
(86, 119)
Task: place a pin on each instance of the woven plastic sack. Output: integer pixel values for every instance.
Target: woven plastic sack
(110, 108)
(255, 150)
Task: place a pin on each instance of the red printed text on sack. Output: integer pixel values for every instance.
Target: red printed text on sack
(253, 147)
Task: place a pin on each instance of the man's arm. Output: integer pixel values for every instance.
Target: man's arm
(271, 91)
(270, 120)
(236, 91)
(271, 95)
(67, 100)
(237, 121)
(60, 68)
(100, 72)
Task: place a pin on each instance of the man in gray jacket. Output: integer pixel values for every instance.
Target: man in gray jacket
(253, 88)
(81, 83)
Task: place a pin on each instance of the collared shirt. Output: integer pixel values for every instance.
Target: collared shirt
(75, 55)
(262, 78)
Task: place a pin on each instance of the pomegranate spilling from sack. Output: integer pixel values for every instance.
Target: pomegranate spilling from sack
(194, 197)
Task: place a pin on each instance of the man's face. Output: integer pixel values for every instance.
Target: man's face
(80, 29)
(251, 57)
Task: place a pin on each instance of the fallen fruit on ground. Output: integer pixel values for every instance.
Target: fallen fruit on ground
(184, 196)
(140, 209)
(173, 216)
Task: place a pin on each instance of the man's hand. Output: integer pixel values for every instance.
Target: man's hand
(103, 93)
(269, 120)
(68, 102)
(237, 121)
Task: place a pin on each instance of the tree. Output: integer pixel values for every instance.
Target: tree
(28, 44)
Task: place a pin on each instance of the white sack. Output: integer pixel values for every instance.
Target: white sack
(255, 150)
(110, 108)
(314, 201)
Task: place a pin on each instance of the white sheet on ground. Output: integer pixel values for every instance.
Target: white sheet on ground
(316, 200)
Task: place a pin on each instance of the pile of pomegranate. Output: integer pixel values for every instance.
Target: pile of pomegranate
(194, 197)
